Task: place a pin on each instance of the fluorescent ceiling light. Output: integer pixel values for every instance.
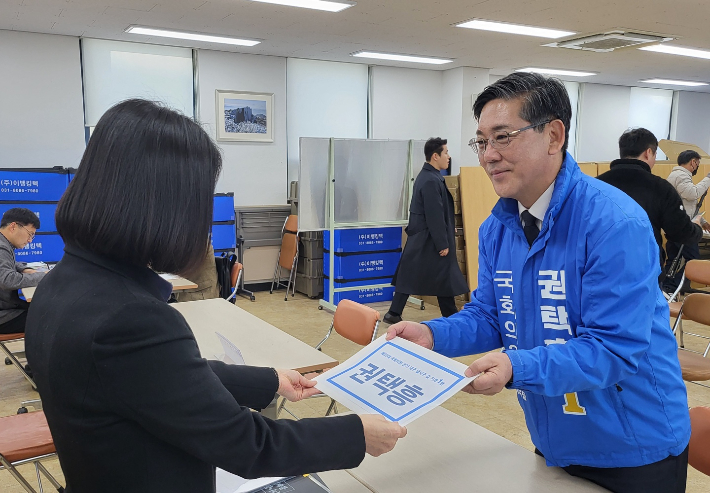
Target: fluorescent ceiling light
(677, 50)
(326, 5)
(401, 58)
(553, 71)
(674, 82)
(209, 38)
(503, 27)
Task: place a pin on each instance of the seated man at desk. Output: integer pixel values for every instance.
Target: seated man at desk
(17, 229)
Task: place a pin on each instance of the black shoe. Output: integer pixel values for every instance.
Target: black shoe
(391, 318)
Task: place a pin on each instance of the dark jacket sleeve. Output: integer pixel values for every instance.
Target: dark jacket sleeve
(434, 214)
(675, 221)
(152, 372)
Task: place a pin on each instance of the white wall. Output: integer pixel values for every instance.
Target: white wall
(603, 117)
(41, 111)
(692, 123)
(406, 103)
(324, 99)
(255, 171)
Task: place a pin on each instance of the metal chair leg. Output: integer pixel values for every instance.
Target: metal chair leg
(16, 474)
(47, 475)
(9, 354)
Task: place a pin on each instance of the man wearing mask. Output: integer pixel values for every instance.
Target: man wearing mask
(681, 178)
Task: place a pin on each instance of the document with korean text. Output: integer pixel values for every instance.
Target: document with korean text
(397, 379)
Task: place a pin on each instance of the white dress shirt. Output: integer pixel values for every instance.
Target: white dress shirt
(539, 208)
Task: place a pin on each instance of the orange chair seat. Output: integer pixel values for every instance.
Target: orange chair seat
(694, 366)
(24, 436)
(698, 451)
(11, 337)
(675, 308)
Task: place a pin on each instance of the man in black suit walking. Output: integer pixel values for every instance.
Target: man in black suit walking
(428, 265)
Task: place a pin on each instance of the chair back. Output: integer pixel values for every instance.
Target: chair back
(236, 274)
(291, 224)
(289, 250)
(696, 307)
(356, 322)
(698, 271)
(699, 451)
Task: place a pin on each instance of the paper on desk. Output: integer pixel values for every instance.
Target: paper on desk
(397, 379)
(169, 277)
(232, 354)
(231, 483)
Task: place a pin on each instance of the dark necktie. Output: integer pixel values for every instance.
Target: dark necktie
(529, 227)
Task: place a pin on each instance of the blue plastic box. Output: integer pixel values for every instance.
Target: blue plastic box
(33, 185)
(45, 247)
(362, 265)
(365, 295)
(224, 236)
(364, 239)
(223, 207)
(45, 212)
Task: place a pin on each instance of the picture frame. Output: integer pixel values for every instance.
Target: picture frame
(244, 116)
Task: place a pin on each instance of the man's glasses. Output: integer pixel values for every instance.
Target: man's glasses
(500, 139)
(31, 235)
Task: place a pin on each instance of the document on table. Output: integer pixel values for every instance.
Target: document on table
(397, 379)
(231, 483)
(232, 354)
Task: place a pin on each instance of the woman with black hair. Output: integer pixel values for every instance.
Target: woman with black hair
(132, 405)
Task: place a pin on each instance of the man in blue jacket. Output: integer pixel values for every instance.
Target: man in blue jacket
(567, 285)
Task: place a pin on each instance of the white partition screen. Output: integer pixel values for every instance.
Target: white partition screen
(313, 183)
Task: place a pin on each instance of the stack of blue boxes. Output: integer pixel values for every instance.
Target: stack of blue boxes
(224, 233)
(362, 257)
(38, 190)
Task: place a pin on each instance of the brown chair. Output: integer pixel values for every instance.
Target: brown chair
(696, 271)
(24, 439)
(694, 364)
(699, 449)
(356, 322)
(288, 256)
(12, 357)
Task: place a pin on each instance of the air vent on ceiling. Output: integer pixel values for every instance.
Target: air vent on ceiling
(609, 41)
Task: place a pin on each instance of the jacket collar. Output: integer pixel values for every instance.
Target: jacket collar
(506, 210)
(679, 167)
(630, 164)
(429, 167)
(143, 276)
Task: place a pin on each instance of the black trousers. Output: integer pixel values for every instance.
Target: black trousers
(447, 305)
(665, 476)
(690, 252)
(14, 326)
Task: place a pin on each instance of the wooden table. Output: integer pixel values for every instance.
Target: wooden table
(445, 452)
(260, 343)
(179, 284)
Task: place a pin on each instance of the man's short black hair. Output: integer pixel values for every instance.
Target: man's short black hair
(435, 145)
(21, 216)
(544, 98)
(635, 142)
(686, 156)
(143, 190)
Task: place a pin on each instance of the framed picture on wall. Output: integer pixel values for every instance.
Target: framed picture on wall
(245, 116)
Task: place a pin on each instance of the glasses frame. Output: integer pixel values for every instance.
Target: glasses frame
(32, 235)
(474, 147)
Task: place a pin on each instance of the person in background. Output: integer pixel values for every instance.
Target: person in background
(205, 276)
(131, 403)
(17, 228)
(567, 285)
(632, 175)
(428, 265)
(681, 178)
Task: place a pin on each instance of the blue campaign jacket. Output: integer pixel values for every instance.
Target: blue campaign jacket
(585, 326)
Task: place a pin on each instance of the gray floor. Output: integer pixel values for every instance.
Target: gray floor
(301, 318)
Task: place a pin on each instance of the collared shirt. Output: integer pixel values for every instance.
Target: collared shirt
(539, 208)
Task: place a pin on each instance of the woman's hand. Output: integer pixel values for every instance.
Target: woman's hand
(294, 386)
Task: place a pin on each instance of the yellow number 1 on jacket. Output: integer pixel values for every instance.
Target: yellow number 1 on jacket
(572, 405)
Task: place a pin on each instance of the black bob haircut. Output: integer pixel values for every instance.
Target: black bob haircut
(544, 98)
(21, 216)
(635, 142)
(143, 191)
(435, 145)
(686, 156)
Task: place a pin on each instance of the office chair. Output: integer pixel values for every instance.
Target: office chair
(288, 256)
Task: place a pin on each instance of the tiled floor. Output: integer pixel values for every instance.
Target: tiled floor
(301, 318)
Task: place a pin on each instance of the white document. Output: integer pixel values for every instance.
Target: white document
(231, 483)
(169, 277)
(397, 379)
(232, 354)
